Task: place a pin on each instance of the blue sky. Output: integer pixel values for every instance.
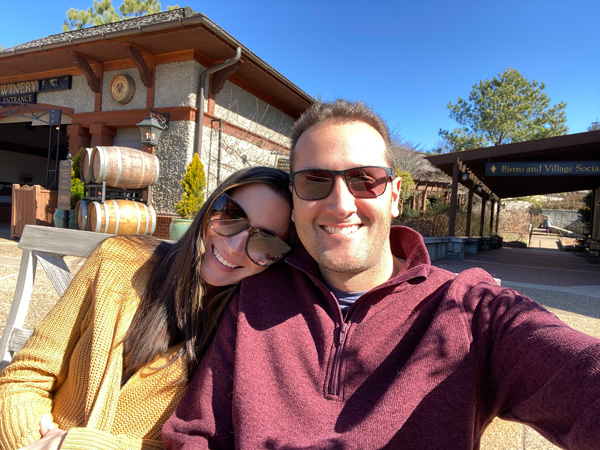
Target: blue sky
(407, 59)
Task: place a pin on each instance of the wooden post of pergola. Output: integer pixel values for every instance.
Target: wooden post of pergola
(469, 210)
(492, 208)
(453, 200)
(482, 221)
(497, 216)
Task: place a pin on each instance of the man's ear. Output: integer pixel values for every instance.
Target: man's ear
(396, 183)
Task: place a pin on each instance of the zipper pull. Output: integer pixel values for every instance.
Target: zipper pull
(342, 335)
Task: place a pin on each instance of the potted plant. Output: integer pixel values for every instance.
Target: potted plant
(192, 198)
(76, 195)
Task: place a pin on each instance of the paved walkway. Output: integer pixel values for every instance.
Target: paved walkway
(564, 282)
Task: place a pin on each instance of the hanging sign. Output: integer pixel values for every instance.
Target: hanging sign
(283, 164)
(26, 91)
(542, 168)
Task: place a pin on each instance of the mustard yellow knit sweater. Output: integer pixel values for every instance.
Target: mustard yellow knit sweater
(72, 365)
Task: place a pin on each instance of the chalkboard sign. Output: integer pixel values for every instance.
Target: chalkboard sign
(64, 185)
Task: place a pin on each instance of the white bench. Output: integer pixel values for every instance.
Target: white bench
(49, 246)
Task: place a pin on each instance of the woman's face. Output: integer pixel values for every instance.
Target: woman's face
(225, 260)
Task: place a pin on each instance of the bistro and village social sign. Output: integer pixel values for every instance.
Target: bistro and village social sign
(542, 168)
(26, 91)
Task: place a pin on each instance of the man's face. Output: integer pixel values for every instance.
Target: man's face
(344, 234)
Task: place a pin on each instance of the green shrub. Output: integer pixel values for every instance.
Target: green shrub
(194, 188)
(76, 183)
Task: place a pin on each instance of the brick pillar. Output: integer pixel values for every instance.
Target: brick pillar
(102, 135)
(78, 137)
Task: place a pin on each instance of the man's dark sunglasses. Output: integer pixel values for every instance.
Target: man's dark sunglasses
(362, 182)
(263, 247)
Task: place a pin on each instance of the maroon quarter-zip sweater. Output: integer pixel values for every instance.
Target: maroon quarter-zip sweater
(424, 361)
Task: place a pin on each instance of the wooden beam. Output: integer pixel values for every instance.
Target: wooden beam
(82, 62)
(482, 222)
(469, 211)
(453, 201)
(146, 74)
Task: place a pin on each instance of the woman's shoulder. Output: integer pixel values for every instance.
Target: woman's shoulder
(130, 249)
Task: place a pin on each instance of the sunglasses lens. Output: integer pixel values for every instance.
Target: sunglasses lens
(313, 184)
(263, 247)
(367, 182)
(227, 217)
(266, 248)
(363, 182)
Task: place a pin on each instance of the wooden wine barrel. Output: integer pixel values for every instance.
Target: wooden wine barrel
(81, 212)
(124, 167)
(85, 168)
(121, 217)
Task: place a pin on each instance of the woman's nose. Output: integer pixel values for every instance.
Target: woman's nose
(237, 242)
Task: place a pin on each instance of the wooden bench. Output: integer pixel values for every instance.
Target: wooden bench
(49, 246)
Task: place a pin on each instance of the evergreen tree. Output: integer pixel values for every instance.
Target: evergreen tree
(194, 188)
(506, 109)
(76, 183)
(104, 12)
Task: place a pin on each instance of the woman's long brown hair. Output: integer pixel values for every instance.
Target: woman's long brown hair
(174, 307)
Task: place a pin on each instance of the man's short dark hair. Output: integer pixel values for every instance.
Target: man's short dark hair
(341, 111)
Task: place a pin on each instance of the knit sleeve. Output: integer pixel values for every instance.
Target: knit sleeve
(88, 438)
(539, 371)
(27, 384)
(203, 417)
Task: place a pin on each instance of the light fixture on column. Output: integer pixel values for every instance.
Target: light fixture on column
(464, 176)
(151, 128)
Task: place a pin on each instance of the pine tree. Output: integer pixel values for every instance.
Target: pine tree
(103, 12)
(508, 108)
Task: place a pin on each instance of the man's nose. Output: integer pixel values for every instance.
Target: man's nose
(341, 200)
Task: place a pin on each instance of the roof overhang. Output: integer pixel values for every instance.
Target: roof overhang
(580, 147)
(167, 33)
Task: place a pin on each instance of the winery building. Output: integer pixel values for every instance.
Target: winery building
(94, 87)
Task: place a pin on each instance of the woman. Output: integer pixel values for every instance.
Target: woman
(109, 363)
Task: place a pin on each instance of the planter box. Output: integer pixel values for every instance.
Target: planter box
(471, 246)
(32, 205)
(484, 243)
(436, 247)
(455, 248)
(445, 247)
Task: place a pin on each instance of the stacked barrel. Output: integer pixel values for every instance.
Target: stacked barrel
(124, 168)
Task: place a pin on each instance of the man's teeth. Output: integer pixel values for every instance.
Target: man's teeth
(342, 230)
(223, 260)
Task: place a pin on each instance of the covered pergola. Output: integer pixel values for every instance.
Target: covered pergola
(543, 166)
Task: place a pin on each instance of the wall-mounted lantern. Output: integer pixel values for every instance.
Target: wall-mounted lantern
(151, 128)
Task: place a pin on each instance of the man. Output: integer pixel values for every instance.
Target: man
(357, 342)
